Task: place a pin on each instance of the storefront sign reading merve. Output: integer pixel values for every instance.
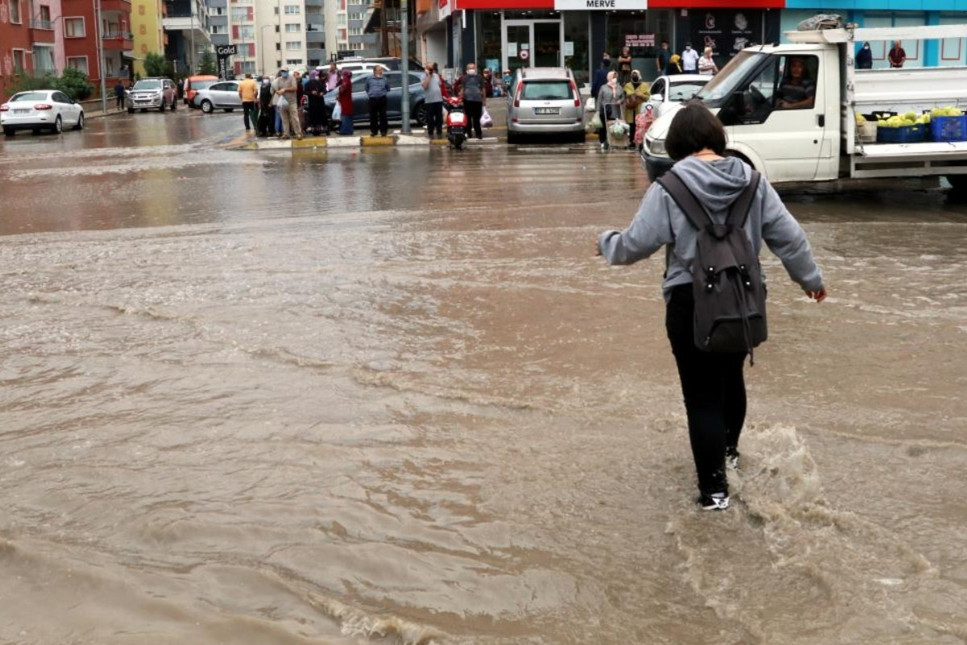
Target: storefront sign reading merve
(584, 5)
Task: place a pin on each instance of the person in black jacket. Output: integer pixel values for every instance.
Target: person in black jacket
(864, 57)
(601, 76)
(266, 126)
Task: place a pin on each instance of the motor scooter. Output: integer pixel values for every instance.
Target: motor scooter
(456, 123)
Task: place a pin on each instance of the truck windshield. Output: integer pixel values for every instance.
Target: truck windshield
(728, 79)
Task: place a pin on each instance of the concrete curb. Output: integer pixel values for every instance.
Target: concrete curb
(247, 142)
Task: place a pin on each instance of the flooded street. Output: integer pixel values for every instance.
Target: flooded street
(390, 396)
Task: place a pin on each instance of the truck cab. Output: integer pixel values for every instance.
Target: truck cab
(789, 110)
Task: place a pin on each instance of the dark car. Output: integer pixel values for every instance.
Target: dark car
(394, 101)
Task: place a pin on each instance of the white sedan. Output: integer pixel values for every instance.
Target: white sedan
(40, 110)
(669, 91)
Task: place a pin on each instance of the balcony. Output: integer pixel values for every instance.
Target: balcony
(42, 32)
(120, 6)
(117, 41)
(315, 3)
(315, 37)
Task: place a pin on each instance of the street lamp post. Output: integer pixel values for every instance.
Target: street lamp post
(191, 10)
(100, 56)
(405, 66)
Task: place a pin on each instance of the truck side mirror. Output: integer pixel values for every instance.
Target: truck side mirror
(729, 114)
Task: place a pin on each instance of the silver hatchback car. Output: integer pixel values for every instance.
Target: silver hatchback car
(544, 100)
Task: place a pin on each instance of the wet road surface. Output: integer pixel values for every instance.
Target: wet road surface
(391, 396)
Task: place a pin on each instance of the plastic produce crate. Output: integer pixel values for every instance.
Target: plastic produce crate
(903, 134)
(948, 128)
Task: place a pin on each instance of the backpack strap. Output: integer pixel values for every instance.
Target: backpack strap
(685, 199)
(743, 204)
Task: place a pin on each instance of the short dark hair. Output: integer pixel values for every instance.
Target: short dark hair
(693, 129)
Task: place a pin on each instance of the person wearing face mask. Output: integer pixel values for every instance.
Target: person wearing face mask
(287, 88)
(610, 98)
(690, 59)
(636, 93)
(474, 98)
(864, 57)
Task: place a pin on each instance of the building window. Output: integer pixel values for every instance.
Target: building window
(293, 61)
(341, 19)
(246, 32)
(19, 66)
(15, 12)
(74, 28)
(295, 45)
(43, 58)
(293, 27)
(78, 62)
(293, 9)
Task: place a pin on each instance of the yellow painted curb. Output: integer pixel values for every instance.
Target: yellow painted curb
(309, 142)
(378, 141)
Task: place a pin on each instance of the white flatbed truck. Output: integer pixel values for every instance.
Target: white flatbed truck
(819, 142)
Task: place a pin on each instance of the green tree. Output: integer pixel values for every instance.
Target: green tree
(75, 84)
(155, 65)
(208, 64)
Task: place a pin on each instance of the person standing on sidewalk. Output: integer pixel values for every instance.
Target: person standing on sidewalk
(433, 90)
(332, 77)
(248, 92)
(376, 89)
(286, 87)
(473, 97)
(316, 90)
(345, 98)
(690, 59)
(119, 95)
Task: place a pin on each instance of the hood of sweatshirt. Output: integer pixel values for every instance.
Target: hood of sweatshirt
(716, 184)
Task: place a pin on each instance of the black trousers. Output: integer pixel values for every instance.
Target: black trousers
(434, 118)
(474, 110)
(714, 390)
(248, 113)
(377, 116)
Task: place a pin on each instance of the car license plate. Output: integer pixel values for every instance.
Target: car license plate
(21, 111)
(547, 110)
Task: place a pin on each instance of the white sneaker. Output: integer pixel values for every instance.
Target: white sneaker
(714, 502)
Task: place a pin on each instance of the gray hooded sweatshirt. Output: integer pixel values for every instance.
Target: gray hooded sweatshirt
(716, 184)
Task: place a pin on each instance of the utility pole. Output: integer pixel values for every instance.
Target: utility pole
(100, 55)
(405, 64)
(191, 54)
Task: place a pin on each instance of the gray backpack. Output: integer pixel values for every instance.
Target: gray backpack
(730, 297)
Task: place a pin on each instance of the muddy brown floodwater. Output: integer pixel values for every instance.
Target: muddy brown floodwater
(392, 397)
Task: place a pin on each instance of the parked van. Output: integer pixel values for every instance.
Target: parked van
(192, 84)
(814, 136)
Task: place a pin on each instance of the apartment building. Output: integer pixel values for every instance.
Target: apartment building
(28, 40)
(148, 31)
(187, 31)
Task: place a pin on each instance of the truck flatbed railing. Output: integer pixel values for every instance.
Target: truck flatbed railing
(852, 33)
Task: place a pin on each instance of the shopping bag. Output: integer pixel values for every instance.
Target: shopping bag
(337, 112)
(596, 121)
(282, 104)
(590, 105)
(486, 121)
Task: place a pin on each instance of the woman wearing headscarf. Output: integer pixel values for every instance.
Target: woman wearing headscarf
(636, 93)
(610, 98)
(864, 57)
(345, 98)
(316, 91)
(674, 65)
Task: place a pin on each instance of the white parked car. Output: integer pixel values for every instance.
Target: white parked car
(222, 95)
(40, 110)
(669, 91)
